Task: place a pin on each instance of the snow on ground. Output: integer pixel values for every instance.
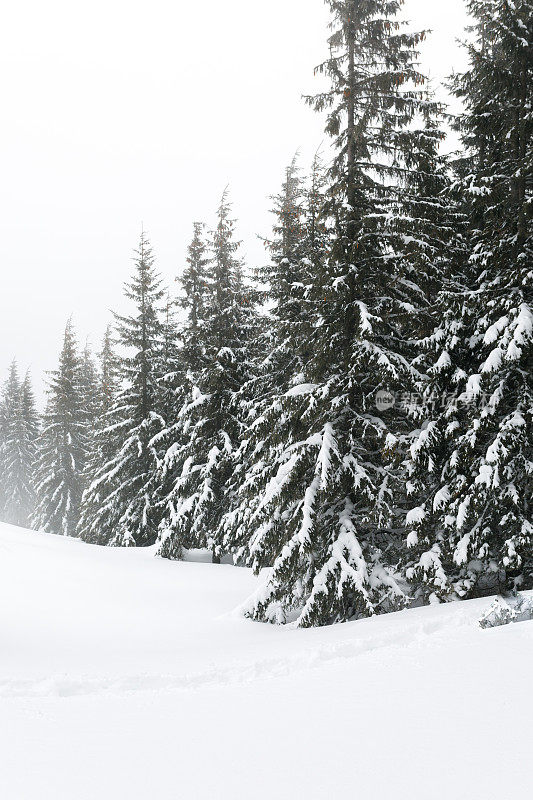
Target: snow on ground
(125, 676)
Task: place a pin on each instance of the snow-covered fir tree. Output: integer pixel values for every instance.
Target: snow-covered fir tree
(100, 444)
(278, 353)
(120, 508)
(30, 427)
(193, 298)
(427, 235)
(62, 445)
(198, 465)
(89, 387)
(171, 366)
(286, 277)
(9, 412)
(478, 451)
(329, 500)
(108, 375)
(19, 428)
(189, 360)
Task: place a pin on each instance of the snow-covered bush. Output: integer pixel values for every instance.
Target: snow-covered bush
(503, 611)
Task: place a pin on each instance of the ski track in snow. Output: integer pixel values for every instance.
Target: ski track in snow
(65, 686)
(407, 631)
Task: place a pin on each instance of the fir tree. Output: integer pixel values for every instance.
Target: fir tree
(89, 387)
(62, 445)
(193, 300)
(20, 426)
(278, 352)
(119, 503)
(188, 351)
(171, 367)
(473, 460)
(9, 413)
(328, 505)
(100, 444)
(109, 374)
(198, 464)
(285, 278)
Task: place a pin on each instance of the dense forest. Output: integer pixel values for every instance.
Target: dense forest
(357, 415)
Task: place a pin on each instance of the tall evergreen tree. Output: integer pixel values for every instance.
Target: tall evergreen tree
(329, 502)
(9, 412)
(279, 355)
(20, 427)
(474, 460)
(188, 359)
(89, 387)
(193, 300)
(109, 374)
(171, 366)
(198, 464)
(101, 444)
(62, 445)
(122, 491)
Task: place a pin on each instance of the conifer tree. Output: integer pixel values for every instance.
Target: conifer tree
(278, 352)
(286, 276)
(100, 443)
(188, 357)
(29, 432)
(122, 491)
(9, 413)
(62, 445)
(89, 387)
(198, 464)
(194, 287)
(19, 426)
(473, 461)
(171, 366)
(329, 502)
(426, 229)
(109, 374)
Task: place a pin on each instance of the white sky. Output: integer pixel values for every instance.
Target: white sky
(118, 112)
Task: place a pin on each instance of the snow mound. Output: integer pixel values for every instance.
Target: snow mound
(504, 611)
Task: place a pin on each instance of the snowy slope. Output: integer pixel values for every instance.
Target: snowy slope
(125, 676)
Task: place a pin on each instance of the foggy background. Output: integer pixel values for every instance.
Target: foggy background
(117, 113)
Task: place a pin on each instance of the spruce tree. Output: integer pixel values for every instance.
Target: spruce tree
(277, 354)
(121, 494)
(30, 427)
(474, 533)
(188, 359)
(20, 427)
(9, 414)
(193, 299)
(171, 366)
(62, 445)
(284, 277)
(329, 503)
(108, 375)
(89, 387)
(198, 465)
(100, 443)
